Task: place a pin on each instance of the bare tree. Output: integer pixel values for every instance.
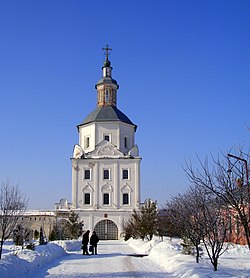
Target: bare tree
(213, 223)
(22, 235)
(228, 180)
(165, 226)
(185, 216)
(130, 227)
(200, 217)
(13, 204)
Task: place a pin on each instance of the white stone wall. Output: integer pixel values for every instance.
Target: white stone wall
(84, 132)
(113, 156)
(128, 132)
(115, 186)
(96, 131)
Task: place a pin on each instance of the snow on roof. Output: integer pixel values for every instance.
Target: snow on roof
(39, 213)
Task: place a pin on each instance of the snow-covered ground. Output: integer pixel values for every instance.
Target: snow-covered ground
(165, 259)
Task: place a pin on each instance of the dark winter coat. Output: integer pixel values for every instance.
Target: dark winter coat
(85, 237)
(94, 239)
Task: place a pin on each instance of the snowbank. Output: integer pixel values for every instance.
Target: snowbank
(167, 253)
(18, 263)
(235, 262)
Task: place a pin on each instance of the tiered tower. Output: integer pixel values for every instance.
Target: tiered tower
(106, 163)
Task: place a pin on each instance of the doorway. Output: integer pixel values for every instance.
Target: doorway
(106, 230)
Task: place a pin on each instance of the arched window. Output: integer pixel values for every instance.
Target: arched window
(125, 174)
(125, 198)
(125, 142)
(106, 194)
(87, 195)
(107, 95)
(87, 142)
(86, 198)
(106, 198)
(126, 195)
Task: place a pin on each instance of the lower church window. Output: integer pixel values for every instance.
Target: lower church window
(87, 198)
(106, 198)
(125, 199)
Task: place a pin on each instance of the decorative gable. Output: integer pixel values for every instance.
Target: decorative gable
(106, 188)
(105, 149)
(87, 188)
(126, 189)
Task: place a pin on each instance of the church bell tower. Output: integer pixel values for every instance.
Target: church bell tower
(107, 87)
(106, 163)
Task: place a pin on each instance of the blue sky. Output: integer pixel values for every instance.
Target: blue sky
(183, 68)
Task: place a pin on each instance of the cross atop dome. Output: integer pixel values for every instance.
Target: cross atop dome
(107, 51)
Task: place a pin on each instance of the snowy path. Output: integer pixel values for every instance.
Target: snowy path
(112, 261)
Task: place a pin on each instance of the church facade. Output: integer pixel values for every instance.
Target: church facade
(106, 163)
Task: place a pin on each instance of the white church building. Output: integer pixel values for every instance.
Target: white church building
(105, 164)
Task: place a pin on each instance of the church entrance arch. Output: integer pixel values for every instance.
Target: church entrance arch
(106, 230)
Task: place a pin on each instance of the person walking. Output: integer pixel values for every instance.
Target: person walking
(94, 239)
(85, 241)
